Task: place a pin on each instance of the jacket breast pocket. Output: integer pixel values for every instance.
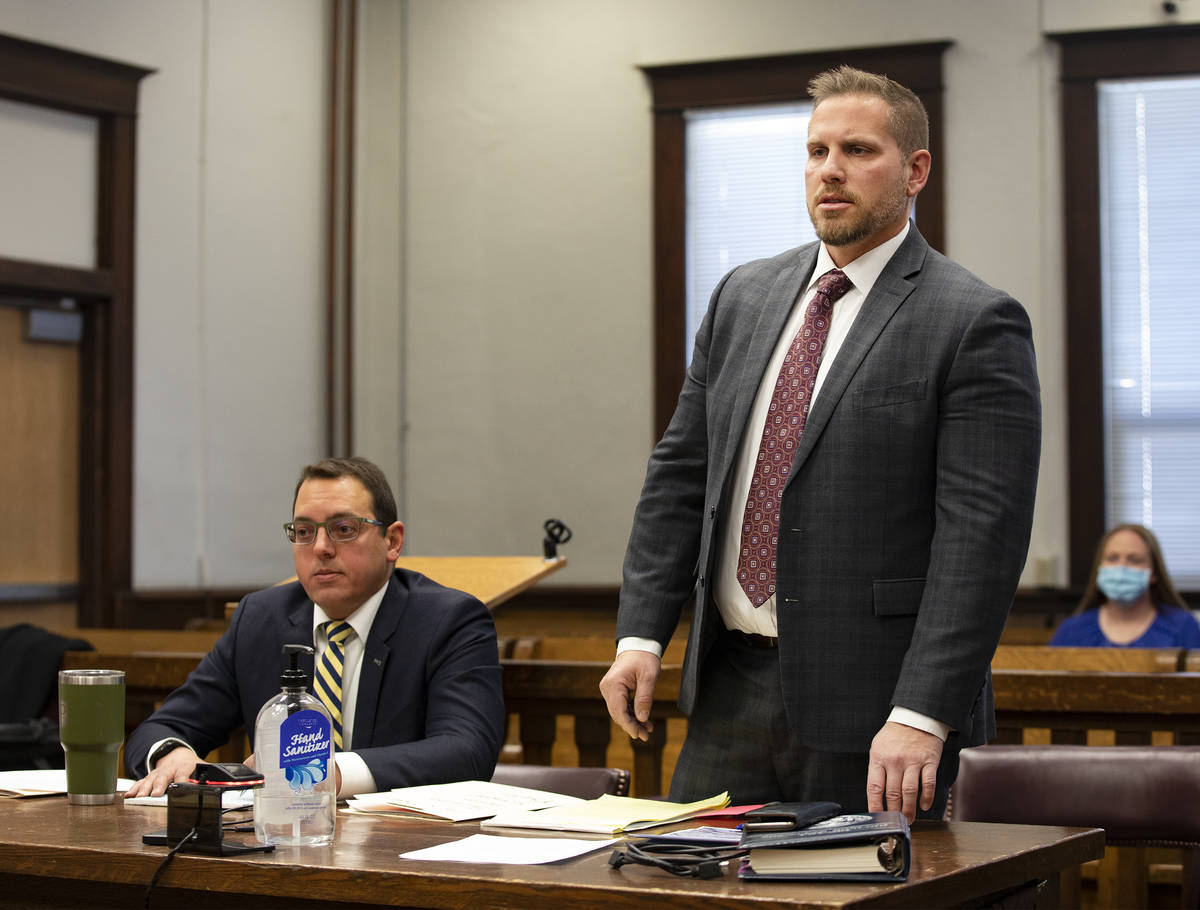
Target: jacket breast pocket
(897, 596)
(889, 395)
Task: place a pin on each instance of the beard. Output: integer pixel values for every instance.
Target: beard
(847, 229)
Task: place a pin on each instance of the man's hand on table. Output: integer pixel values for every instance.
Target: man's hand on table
(176, 765)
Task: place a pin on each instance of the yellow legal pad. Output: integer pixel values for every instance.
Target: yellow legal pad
(607, 814)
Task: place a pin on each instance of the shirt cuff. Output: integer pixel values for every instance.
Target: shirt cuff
(356, 776)
(912, 718)
(630, 643)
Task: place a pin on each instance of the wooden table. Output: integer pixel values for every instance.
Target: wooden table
(54, 854)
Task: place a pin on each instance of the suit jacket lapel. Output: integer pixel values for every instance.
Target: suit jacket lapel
(764, 337)
(891, 289)
(375, 657)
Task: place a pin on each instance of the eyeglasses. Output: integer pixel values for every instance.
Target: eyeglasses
(339, 530)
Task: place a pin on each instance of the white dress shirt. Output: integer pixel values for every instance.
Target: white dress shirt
(732, 603)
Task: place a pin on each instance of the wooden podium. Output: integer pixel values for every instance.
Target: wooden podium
(493, 579)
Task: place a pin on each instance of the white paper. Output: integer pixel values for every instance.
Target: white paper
(519, 851)
(230, 799)
(53, 780)
(462, 801)
(607, 814)
(704, 834)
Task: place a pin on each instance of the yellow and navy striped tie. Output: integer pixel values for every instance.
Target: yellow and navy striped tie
(327, 681)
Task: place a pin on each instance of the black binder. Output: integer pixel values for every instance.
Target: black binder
(868, 847)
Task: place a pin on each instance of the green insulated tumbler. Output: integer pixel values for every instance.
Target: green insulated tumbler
(91, 727)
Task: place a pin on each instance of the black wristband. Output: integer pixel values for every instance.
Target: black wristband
(167, 746)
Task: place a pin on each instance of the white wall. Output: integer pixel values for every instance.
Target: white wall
(528, 290)
(505, 298)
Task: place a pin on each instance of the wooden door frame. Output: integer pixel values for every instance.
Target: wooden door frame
(107, 90)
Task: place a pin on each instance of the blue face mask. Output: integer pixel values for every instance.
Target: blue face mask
(1124, 584)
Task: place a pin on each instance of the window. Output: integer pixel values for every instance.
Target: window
(1149, 221)
(745, 193)
(729, 89)
(1131, 127)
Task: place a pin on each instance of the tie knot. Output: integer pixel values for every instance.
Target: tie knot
(833, 285)
(337, 631)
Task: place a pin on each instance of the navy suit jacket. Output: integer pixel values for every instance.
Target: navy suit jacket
(430, 703)
(905, 519)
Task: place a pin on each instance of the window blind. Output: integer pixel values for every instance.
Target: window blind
(1150, 287)
(745, 193)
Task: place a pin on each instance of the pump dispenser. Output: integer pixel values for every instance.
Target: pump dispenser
(293, 749)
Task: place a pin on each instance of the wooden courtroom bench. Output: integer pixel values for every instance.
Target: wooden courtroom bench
(1076, 706)
(1114, 660)
(591, 648)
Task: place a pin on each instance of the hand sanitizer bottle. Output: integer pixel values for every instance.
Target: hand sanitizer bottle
(293, 749)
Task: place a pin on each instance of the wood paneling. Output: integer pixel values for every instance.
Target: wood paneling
(39, 411)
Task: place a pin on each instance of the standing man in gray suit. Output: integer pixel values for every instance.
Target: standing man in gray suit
(847, 488)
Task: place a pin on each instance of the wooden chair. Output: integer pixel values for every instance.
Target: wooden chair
(1142, 796)
(586, 783)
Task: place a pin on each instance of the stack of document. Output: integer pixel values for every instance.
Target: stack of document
(458, 802)
(607, 815)
(19, 784)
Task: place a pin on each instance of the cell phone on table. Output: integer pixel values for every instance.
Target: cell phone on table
(783, 816)
(774, 824)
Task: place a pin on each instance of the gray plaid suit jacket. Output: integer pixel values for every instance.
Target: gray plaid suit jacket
(906, 518)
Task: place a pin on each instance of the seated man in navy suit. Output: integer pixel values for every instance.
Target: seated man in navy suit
(421, 694)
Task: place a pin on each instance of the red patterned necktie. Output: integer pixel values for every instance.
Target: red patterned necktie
(781, 432)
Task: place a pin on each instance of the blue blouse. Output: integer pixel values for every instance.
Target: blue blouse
(1173, 627)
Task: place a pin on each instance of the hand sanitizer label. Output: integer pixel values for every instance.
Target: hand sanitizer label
(305, 743)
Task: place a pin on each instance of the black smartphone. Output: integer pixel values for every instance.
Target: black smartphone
(231, 775)
(781, 824)
(781, 816)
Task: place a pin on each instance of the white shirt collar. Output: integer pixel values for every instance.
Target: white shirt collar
(864, 271)
(361, 619)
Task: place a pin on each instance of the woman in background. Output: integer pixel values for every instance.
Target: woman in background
(1129, 600)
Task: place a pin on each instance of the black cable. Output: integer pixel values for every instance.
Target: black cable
(240, 825)
(689, 860)
(166, 859)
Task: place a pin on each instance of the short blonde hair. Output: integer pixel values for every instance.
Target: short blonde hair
(907, 121)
